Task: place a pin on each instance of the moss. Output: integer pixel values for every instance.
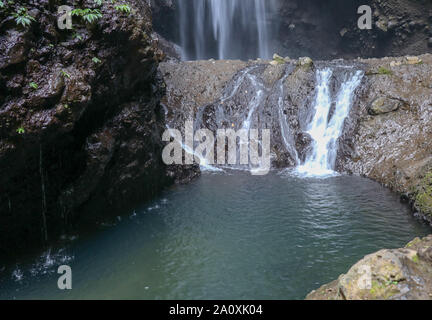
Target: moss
(415, 259)
(383, 291)
(413, 242)
(381, 71)
(384, 71)
(423, 199)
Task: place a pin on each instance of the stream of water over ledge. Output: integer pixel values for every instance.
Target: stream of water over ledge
(226, 236)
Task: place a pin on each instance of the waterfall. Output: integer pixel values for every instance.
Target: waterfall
(225, 29)
(325, 132)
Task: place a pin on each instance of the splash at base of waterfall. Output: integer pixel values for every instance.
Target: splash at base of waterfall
(325, 132)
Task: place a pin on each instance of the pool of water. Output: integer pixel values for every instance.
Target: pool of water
(225, 236)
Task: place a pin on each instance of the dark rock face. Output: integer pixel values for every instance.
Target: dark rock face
(329, 30)
(80, 120)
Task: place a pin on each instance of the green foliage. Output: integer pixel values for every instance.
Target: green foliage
(98, 2)
(96, 60)
(385, 71)
(88, 15)
(77, 36)
(22, 17)
(2, 4)
(64, 74)
(123, 8)
(20, 130)
(33, 85)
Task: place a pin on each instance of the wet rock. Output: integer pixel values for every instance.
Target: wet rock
(303, 144)
(383, 105)
(13, 48)
(395, 148)
(81, 114)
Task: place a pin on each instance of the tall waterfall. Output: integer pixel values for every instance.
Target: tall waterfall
(225, 29)
(324, 131)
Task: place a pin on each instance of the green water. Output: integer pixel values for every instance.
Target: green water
(226, 236)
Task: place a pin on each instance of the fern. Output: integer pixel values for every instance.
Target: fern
(123, 8)
(22, 17)
(89, 15)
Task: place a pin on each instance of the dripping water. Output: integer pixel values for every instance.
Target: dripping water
(44, 205)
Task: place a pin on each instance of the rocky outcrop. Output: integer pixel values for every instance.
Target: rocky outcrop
(80, 120)
(390, 136)
(395, 274)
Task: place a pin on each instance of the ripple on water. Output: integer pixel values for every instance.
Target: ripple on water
(230, 236)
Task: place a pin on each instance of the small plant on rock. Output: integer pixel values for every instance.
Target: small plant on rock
(77, 36)
(96, 60)
(64, 74)
(22, 17)
(88, 15)
(385, 71)
(20, 130)
(123, 8)
(33, 85)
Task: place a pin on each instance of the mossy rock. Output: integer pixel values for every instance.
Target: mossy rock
(423, 199)
(305, 62)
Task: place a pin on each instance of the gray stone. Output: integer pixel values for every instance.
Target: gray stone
(384, 105)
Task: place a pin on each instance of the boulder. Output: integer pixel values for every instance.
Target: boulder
(305, 62)
(384, 105)
(395, 274)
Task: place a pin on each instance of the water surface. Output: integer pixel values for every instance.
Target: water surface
(226, 236)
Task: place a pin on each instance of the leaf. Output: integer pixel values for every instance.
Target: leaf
(33, 85)
(123, 7)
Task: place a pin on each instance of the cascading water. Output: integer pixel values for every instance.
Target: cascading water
(225, 29)
(325, 132)
(250, 101)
